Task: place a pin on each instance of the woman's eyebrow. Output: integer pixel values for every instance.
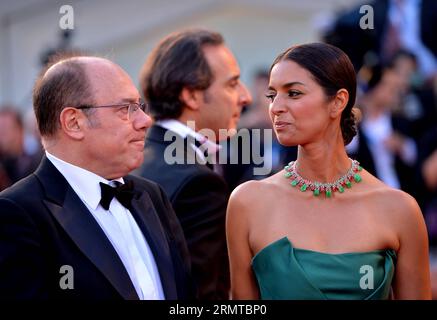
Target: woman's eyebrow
(288, 85)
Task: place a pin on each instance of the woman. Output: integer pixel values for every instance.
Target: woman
(323, 228)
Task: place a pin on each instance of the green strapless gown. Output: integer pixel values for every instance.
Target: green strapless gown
(284, 272)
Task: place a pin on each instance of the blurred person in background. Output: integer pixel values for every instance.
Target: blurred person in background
(397, 24)
(384, 144)
(32, 138)
(418, 103)
(16, 161)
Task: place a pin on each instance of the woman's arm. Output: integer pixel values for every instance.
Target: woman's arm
(412, 277)
(243, 282)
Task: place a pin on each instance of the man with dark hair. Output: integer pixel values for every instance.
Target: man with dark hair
(191, 76)
(80, 227)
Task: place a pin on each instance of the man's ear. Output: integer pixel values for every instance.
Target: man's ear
(191, 98)
(73, 122)
(339, 103)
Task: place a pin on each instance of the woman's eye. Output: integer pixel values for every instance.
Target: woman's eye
(270, 96)
(293, 93)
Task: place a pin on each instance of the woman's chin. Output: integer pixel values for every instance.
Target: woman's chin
(286, 141)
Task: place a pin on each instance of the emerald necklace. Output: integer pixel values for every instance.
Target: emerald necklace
(327, 188)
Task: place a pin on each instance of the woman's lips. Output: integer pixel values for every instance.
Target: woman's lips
(281, 124)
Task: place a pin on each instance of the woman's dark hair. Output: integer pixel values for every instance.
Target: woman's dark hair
(178, 61)
(332, 70)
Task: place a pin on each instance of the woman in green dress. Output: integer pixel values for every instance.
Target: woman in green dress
(322, 228)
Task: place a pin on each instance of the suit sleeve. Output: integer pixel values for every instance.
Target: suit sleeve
(201, 208)
(22, 271)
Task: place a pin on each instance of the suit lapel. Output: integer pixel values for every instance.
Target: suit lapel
(73, 216)
(148, 221)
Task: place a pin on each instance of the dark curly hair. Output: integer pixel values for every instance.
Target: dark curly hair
(332, 70)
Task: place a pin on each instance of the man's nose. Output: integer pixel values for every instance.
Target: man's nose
(245, 96)
(143, 121)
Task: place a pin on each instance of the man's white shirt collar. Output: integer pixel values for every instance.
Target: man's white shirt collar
(85, 183)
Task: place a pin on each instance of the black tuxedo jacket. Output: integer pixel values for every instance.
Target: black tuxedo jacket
(199, 197)
(44, 226)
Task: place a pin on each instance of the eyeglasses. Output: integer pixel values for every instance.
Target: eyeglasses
(131, 108)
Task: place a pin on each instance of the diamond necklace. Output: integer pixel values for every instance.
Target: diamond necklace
(327, 188)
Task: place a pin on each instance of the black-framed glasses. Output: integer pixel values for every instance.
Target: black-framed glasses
(132, 108)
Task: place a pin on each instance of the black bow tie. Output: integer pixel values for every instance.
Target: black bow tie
(122, 192)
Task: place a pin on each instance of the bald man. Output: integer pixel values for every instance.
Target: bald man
(80, 227)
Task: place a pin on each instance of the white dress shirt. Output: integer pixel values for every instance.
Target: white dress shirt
(119, 226)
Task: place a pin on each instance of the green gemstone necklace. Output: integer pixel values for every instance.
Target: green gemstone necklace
(319, 187)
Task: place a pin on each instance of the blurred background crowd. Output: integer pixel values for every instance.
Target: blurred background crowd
(394, 53)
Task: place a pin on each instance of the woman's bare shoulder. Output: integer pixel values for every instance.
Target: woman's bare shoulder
(393, 201)
(246, 193)
(401, 211)
(403, 207)
(255, 191)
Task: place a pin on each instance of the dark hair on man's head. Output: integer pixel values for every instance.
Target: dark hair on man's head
(332, 70)
(177, 62)
(62, 83)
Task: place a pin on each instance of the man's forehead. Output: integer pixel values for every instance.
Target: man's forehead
(111, 82)
(221, 58)
(103, 76)
(217, 51)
